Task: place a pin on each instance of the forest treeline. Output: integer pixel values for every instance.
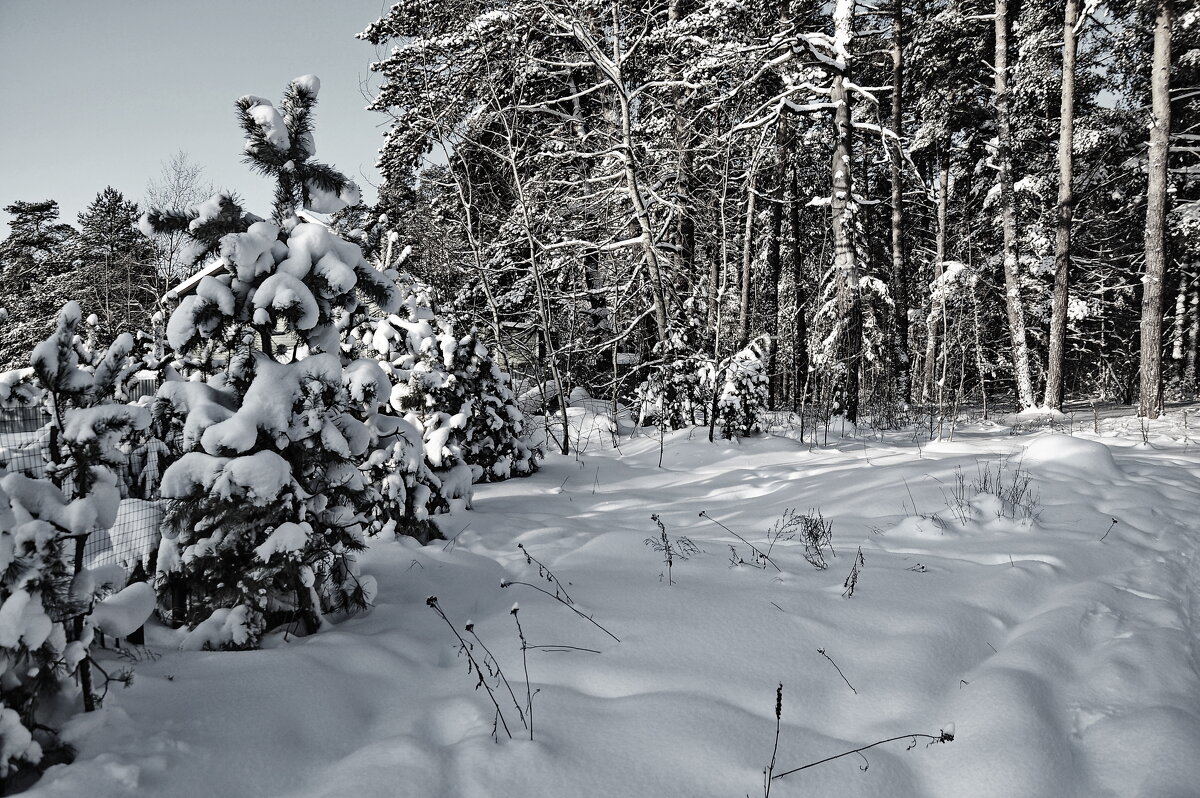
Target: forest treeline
(891, 203)
(914, 201)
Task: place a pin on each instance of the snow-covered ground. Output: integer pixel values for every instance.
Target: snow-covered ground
(1054, 636)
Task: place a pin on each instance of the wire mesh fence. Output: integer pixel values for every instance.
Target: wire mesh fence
(132, 541)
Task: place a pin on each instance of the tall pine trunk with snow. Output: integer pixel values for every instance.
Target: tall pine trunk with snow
(1151, 395)
(844, 209)
(899, 276)
(1014, 305)
(1065, 212)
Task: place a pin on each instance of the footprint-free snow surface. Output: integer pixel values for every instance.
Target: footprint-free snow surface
(1032, 595)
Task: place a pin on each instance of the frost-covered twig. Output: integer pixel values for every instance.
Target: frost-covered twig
(432, 602)
(506, 582)
(545, 572)
(525, 664)
(942, 736)
(755, 549)
(821, 651)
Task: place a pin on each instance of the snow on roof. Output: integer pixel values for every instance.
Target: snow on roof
(190, 285)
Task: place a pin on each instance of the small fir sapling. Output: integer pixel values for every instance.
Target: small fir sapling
(88, 428)
(448, 387)
(679, 548)
(271, 494)
(674, 391)
(35, 575)
(739, 392)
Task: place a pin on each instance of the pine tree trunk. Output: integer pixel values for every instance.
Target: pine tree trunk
(899, 276)
(775, 260)
(843, 209)
(1193, 344)
(1179, 328)
(1066, 207)
(936, 307)
(685, 228)
(800, 344)
(1012, 286)
(743, 328)
(1151, 395)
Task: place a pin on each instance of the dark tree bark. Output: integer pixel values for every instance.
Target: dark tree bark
(1151, 396)
(1012, 287)
(899, 276)
(1066, 203)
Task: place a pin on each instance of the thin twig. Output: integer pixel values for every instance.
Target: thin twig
(767, 774)
(525, 664)
(942, 737)
(1110, 529)
(545, 572)
(470, 627)
(432, 602)
(559, 599)
(759, 552)
(821, 651)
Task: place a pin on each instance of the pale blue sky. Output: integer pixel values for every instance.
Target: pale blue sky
(101, 92)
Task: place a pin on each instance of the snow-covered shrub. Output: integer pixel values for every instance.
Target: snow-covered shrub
(34, 574)
(450, 388)
(674, 391)
(741, 385)
(45, 592)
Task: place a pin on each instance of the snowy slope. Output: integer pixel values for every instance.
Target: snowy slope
(1066, 664)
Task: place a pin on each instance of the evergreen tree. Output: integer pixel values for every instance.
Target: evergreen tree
(35, 259)
(269, 499)
(115, 277)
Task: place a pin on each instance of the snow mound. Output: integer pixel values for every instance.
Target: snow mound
(1074, 454)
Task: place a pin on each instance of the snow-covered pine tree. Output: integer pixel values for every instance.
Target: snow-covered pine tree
(34, 574)
(675, 390)
(89, 425)
(269, 499)
(35, 259)
(450, 388)
(740, 391)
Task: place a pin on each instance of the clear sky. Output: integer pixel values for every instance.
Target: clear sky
(101, 92)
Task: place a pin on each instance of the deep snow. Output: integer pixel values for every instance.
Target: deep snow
(1066, 665)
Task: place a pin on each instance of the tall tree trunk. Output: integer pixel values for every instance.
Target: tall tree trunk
(899, 277)
(843, 209)
(1151, 395)
(1066, 207)
(1012, 285)
(774, 273)
(1193, 344)
(936, 306)
(685, 227)
(800, 345)
(743, 328)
